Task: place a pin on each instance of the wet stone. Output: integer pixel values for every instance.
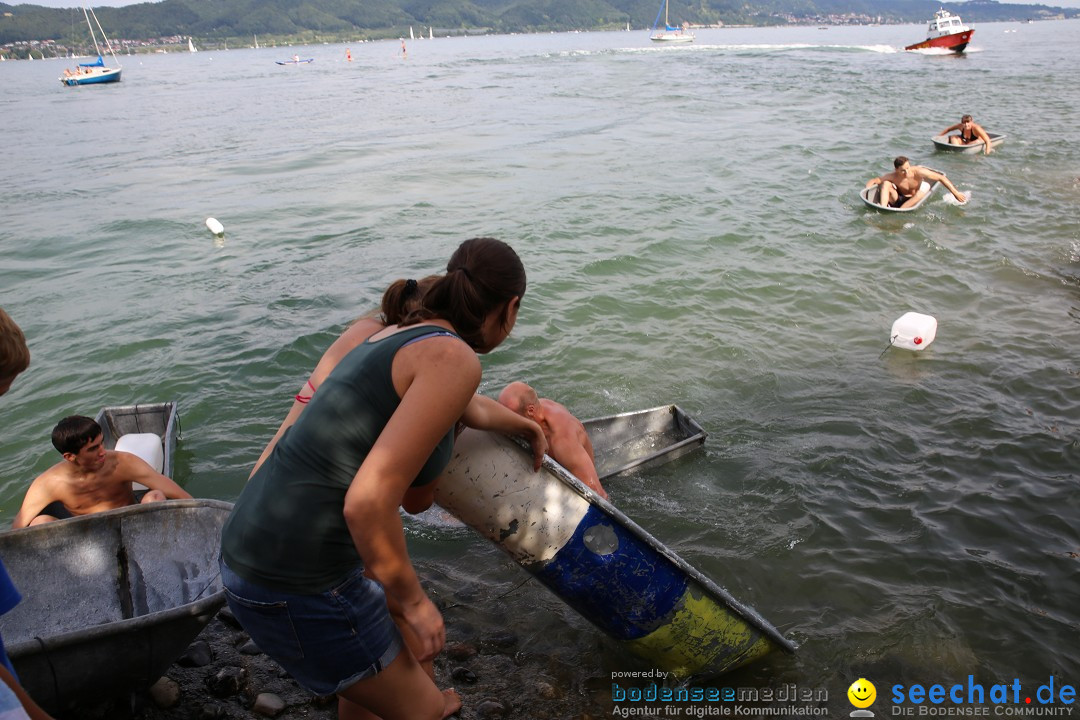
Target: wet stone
(460, 651)
(464, 675)
(501, 640)
(212, 711)
(165, 692)
(226, 616)
(268, 704)
(462, 628)
(198, 654)
(227, 682)
(547, 691)
(491, 709)
(250, 648)
(470, 593)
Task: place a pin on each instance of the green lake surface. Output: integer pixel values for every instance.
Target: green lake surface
(690, 222)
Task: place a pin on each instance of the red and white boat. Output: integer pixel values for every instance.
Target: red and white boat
(946, 31)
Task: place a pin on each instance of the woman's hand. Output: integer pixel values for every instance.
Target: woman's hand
(435, 380)
(427, 622)
(538, 442)
(484, 413)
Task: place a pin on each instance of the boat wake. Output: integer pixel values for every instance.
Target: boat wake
(949, 199)
(769, 48)
(943, 51)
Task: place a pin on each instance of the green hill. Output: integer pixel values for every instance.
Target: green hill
(213, 21)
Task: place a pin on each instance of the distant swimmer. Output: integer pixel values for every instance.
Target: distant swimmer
(970, 133)
(348, 55)
(902, 187)
(404, 52)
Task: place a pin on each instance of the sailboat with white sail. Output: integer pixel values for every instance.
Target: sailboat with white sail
(191, 45)
(668, 33)
(93, 73)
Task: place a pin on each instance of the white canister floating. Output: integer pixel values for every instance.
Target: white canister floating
(214, 226)
(913, 331)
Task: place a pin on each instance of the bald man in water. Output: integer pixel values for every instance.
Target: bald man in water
(568, 443)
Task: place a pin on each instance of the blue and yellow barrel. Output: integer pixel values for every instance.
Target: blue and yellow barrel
(600, 562)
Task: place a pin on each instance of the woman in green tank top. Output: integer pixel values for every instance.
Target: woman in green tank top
(379, 425)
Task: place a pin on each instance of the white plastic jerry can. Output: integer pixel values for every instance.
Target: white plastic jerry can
(913, 331)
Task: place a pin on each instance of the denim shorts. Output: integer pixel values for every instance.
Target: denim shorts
(326, 641)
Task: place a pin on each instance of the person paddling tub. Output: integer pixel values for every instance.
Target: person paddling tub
(902, 187)
(323, 507)
(970, 133)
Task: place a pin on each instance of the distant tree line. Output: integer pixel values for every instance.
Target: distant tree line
(329, 19)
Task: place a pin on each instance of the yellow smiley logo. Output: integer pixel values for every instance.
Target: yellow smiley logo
(862, 693)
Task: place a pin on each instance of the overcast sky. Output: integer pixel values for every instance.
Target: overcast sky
(119, 3)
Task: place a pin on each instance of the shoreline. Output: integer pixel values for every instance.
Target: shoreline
(224, 675)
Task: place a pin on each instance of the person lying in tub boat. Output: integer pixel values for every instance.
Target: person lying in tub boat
(568, 443)
(970, 133)
(901, 187)
(90, 478)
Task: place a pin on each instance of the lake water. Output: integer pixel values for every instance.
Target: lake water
(690, 223)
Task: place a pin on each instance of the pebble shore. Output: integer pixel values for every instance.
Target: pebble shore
(223, 675)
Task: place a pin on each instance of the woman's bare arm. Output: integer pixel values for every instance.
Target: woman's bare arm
(439, 377)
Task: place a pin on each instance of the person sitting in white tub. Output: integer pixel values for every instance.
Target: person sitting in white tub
(902, 187)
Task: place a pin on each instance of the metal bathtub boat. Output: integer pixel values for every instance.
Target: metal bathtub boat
(600, 562)
(643, 438)
(112, 599)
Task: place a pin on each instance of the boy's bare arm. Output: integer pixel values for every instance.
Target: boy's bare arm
(132, 468)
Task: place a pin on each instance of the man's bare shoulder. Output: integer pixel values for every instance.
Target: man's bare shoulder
(550, 405)
(123, 465)
(56, 483)
(553, 408)
(561, 419)
(58, 473)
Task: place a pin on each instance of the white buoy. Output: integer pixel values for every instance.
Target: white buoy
(913, 331)
(214, 226)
